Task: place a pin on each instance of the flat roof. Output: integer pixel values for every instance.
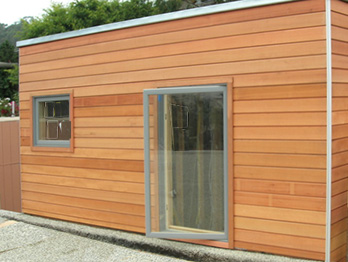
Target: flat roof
(211, 9)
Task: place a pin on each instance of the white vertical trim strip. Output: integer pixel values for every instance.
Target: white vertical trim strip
(328, 130)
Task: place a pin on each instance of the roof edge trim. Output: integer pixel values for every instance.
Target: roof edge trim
(206, 10)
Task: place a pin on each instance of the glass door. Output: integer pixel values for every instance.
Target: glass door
(185, 134)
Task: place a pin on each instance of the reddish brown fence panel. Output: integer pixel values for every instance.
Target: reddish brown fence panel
(10, 195)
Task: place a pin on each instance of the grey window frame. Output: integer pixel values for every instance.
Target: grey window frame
(184, 90)
(48, 143)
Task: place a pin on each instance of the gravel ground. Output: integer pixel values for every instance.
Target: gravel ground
(23, 242)
(31, 238)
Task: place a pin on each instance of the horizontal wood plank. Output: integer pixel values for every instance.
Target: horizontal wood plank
(296, 77)
(339, 33)
(133, 99)
(339, 254)
(339, 89)
(282, 201)
(128, 110)
(281, 214)
(339, 159)
(338, 241)
(104, 185)
(102, 174)
(338, 227)
(282, 174)
(340, 75)
(338, 214)
(294, 242)
(339, 7)
(107, 164)
(339, 131)
(280, 250)
(339, 200)
(282, 105)
(118, 121)
(280, 146)
(283, 119)
(119, 197)
(280, 133)
(339, 48)
(45, 213)
(138, 221)
(117, 132)
(339, 187)
(123, 208)
(280, 160)
(280, 187)
(339, 173)
(339, 61)
(92, 153)
(339, 18)
(280, 92)
(114, 143)
(278, 227)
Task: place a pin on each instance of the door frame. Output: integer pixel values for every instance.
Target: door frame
(194, 85)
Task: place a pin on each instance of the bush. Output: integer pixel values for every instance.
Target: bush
(6, 107)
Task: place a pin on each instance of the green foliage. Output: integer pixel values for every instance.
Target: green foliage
(9, 83)
(13, 76)
(54, 21)
(135, 9)
(90, 13)
(8, 53)
(10, 33)
(8, 77)
(81, 14)
(5, 85)
(166, 6)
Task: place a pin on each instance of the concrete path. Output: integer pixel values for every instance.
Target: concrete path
(30, 238)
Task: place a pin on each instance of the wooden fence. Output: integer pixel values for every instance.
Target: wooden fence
(10, 194)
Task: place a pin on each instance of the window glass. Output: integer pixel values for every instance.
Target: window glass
(52, 126)
(186, 176)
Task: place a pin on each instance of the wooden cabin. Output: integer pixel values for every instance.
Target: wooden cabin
(224, 125)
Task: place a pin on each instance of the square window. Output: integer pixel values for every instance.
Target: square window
(51, 121)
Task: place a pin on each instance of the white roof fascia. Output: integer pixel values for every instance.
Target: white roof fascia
(206, 10)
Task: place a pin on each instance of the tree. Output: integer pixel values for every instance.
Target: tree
(81, 14)
(164, 6)
(8, 53)
(10, 33)
(8, 77)
(7, 88)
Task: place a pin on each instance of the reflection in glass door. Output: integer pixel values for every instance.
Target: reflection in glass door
(186, 164)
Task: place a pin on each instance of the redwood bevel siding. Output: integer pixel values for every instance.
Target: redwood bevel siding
(276, 56)
(339, 131)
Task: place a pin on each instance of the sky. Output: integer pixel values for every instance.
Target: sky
(14, 10)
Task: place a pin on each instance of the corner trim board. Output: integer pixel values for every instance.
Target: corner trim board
(328, 130)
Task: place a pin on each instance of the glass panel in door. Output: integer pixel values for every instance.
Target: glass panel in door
(186, 164)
